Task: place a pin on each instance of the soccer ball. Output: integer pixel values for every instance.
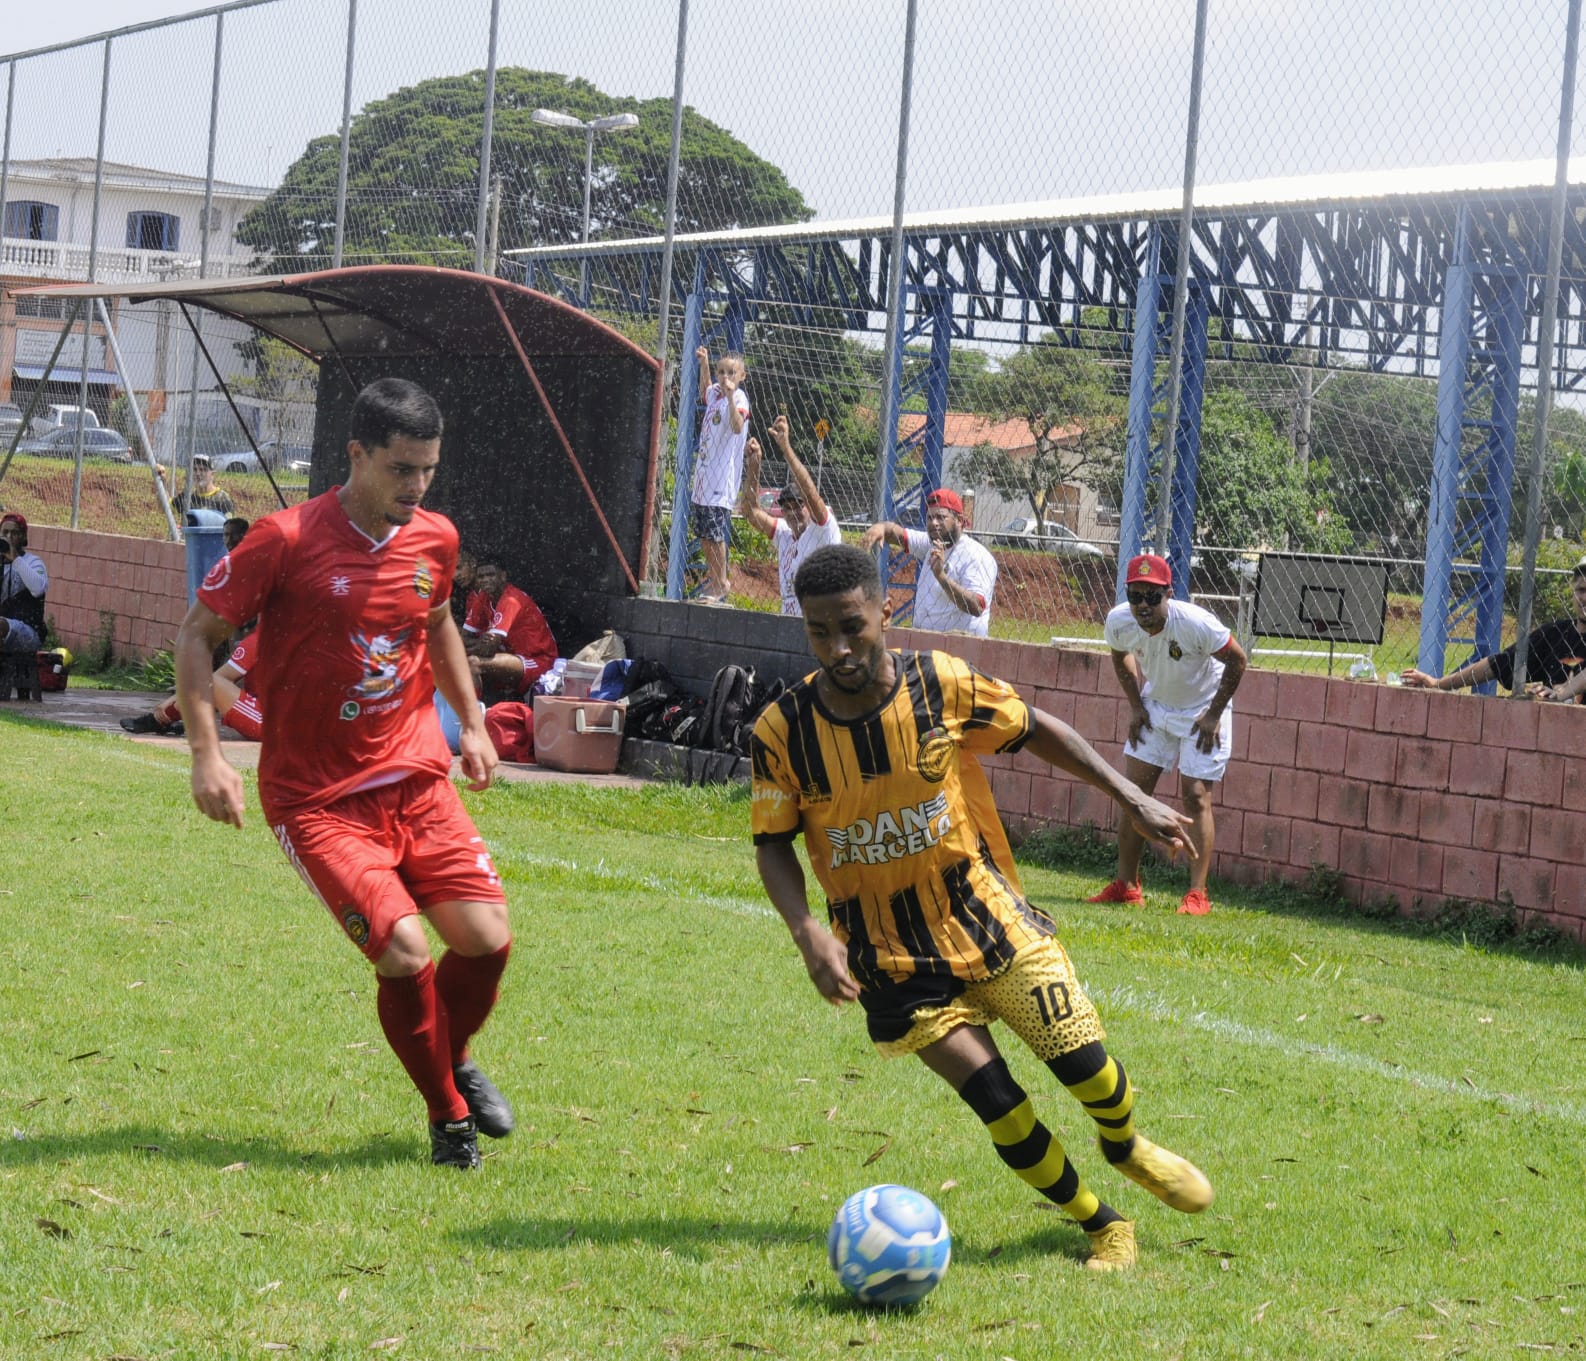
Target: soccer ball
(889, 1246)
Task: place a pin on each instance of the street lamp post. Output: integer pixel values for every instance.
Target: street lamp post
(616, 122)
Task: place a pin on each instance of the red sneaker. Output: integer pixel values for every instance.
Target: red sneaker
(1195, 904)
(1119, 891)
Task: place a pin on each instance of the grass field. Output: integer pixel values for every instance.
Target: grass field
(213, 1154)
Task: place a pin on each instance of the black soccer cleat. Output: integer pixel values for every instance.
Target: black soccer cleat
(455, 1143)
(485, 1103)
(144, 723)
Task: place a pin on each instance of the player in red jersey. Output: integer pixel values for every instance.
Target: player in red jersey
(509, 644)
(228, 689)
(355, 633)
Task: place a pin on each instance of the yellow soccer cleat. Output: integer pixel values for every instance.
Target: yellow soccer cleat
(1112, 1247)
(1173, 1180)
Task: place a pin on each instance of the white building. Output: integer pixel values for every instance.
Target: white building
(151, 223)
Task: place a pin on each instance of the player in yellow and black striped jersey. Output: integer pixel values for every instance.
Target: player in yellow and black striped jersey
(901, 830)
(872, 759)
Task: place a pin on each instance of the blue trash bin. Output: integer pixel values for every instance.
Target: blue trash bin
(206, 545)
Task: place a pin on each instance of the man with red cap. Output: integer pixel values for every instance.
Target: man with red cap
(957, 575)
(23, 582)
(1178, 666)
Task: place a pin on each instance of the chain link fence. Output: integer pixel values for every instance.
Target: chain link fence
(1364, 193)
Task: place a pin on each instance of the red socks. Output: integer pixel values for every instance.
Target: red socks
(415, 1025)
(468, 986)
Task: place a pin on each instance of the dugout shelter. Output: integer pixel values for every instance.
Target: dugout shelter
(552, 418)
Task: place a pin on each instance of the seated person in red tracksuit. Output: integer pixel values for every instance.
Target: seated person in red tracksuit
(228, 688)
(509, 643)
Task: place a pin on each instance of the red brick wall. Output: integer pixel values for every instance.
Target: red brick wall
(142, 582)
(1412, 795)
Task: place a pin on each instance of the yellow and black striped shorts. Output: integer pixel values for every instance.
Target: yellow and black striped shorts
(1037, 996)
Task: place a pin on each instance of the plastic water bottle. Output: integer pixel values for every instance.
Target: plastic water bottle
(1362, 669)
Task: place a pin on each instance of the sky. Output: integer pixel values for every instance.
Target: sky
(30, 26)
(1014, 100)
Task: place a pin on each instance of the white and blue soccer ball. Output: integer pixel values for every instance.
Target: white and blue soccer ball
(889, 1246)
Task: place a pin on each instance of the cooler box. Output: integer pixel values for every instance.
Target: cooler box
(581, 735)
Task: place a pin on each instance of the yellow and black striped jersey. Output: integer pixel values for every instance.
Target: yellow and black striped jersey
(899, 823)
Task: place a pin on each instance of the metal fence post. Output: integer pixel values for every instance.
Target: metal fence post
(209, 164)
(93, 267)
(668, 253)
(1544, 350)
(888, 444)
(481, 218)
(5, 150)
(203, 249)
(346, 136)
(1164, 519)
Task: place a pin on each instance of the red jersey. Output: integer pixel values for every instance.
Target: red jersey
(517, 619)
(341, 657)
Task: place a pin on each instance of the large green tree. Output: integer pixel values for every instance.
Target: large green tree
(1254, 493)
(413, 173)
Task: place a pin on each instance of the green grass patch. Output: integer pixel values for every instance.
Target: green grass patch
(119, 498)
(213, 1154)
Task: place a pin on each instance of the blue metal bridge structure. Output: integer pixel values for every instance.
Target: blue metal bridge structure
(1421, 272)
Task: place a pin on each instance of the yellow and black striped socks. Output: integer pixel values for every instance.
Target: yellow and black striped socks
(1027, 1146)
(1100, 1085)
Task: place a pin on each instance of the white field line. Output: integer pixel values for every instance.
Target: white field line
(1154, 1005)
(1159, 1008)
(174, 764)
(620, 878)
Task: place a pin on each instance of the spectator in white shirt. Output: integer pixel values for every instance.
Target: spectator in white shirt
(1178, 666)
(806, 522)
(957, 576)
(718, 465)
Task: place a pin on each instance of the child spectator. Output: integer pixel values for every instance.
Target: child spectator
(718, 465)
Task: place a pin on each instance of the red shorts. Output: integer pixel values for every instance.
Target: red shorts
(383, 854)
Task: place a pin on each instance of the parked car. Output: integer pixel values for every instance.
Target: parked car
(235, 461)
(278, 457)
(59, 416)
(292, 458)
(62, 443)
(10, 422)
(1050, 537)
(766, 499)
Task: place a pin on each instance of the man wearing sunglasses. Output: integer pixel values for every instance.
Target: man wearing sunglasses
(957, 576)
(1178, 666)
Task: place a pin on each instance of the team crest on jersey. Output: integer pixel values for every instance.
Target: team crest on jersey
(381, 657)
(356, 926)
(219, 574)
(1174, 650)
(423, 580)
(890, 835)
(341, 586)
(935, 755)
